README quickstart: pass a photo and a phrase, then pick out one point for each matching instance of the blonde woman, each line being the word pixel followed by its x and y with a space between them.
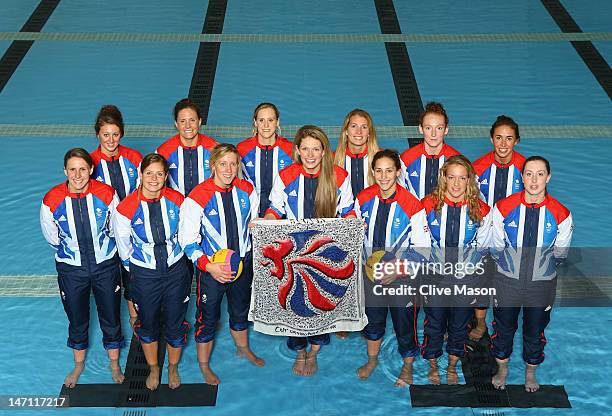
pixel 216 215
pixel 460 227
pixel 266 153
pixel 313 187
pixel 357 146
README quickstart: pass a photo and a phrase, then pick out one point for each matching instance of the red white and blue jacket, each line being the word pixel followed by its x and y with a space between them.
pixel 261 164
pixel 498 181
pixel 189 166
pixel 120 172
pixel 358 167
pixel 547 226
pixel 396 223
pixel 146 230
pixel 294 189
pixel 78 225
pixel 420 170
pixel 453 228
pixel 206 226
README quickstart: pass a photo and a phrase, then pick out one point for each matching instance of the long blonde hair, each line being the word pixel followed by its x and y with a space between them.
pixel 472 193
pixel 326 196
pixel 372 143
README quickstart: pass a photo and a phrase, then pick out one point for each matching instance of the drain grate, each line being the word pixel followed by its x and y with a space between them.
pixel 406 88
pixel 492 413
pixel 135 413
pixel 202 81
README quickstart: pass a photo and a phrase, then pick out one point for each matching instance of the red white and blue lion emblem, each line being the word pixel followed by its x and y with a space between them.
pixel 309 264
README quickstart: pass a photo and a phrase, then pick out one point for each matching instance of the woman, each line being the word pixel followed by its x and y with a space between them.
pixel 187 153
pixel 421 163
pixel 499 176
pixel 74 218
pixel 532 233
pixel 146 230
pixel 499 171
pixel 356 147
pixel 114 164
pixel 117 166
pixel 395 221
pixel 313 187
pixel 264 154
pixel 460 227
pixel 216 215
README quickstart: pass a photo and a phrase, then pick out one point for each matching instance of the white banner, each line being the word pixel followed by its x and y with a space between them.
pixel 307 277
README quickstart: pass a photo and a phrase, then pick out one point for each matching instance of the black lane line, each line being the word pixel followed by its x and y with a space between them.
pixel 587 51
pixel 205 67
pixel 406 88
pixel 19 48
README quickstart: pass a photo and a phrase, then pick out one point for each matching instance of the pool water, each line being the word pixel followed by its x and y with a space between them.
pixel 66 82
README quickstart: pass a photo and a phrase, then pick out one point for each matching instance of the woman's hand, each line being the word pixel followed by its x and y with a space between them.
pixel 221 272
pixel 389 278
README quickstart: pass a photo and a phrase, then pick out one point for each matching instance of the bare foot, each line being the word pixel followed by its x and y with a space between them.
pixel 311 366
pixel 342 334
pixel 405 377
pixel 174 379
pixel 531 383
pixel 71 379
pixel 451 374
pixel 365 370
pixel 249 355
pixel 478 331
pixel 499 379
pixel 433 374
pixel 209 376
pixel 153 378
pixel 300 363
pixel 116 373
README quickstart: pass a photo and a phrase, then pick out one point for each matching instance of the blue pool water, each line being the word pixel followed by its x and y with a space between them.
pixel 537 83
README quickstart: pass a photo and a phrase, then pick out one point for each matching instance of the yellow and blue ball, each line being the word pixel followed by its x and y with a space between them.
pixel 380 256
pixel 230 258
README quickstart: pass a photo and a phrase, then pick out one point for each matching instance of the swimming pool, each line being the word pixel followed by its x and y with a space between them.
pixel 64 82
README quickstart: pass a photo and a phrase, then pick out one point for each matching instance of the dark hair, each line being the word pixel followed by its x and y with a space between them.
pixel 535 159
pixel 109 114
pixel 388 153
pixel 186 103
pixel 504 120
pixel 434 108
pixel 80 153
pixel 153 158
